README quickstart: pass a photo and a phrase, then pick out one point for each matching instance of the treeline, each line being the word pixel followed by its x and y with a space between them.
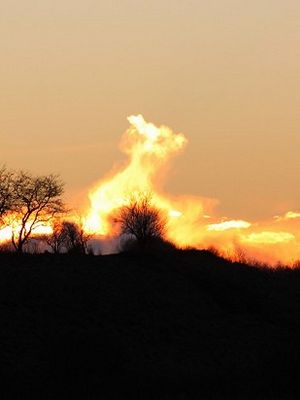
pixel 28 203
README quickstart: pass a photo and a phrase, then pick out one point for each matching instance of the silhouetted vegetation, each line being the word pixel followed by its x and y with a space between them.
pixel 74 237
pixel 6 191
pixel 162 325
pixel 36 201
pixel 153 322
pixel 141 221
pixel 151 246
pixel 31 201
pixel 56 240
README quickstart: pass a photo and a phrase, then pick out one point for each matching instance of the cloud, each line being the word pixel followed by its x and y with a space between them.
pixel 287 216
pixel 226 225
pixel 268 237
pixel 291 215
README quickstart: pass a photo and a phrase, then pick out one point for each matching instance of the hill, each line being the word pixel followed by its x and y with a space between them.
pixel 181 325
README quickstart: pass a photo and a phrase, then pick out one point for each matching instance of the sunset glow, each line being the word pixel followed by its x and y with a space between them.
pixel 150 149
pixel 224 75
pixel 191 221
pixel 150 199
pixel 14 227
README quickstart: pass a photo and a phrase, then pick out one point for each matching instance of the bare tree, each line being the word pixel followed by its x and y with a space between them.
pixel 56 240
pixel 6 191
pixel 36 201
pixel 74 237
pixel 141 220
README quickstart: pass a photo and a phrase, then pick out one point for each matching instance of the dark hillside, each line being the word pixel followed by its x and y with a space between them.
pixel 183 325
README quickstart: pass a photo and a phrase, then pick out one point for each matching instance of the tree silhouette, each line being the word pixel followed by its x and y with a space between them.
pixel 74 238
pixel 56 240
pixel 6 191
pixel 36 200
pixel 140 219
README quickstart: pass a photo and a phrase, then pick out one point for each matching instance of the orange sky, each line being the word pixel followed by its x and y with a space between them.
pixel 226 74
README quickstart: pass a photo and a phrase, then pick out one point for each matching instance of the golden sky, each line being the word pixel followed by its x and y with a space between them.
pixel 226 73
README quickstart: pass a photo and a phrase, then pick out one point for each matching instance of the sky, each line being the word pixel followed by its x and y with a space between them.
pixel 225 73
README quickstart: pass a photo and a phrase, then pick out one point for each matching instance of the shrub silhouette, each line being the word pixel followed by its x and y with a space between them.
pixel 74 239
pixel 56 241
pixel 153 245
pixel 141 221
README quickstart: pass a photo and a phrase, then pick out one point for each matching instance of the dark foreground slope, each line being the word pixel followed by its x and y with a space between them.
pixel 184 325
